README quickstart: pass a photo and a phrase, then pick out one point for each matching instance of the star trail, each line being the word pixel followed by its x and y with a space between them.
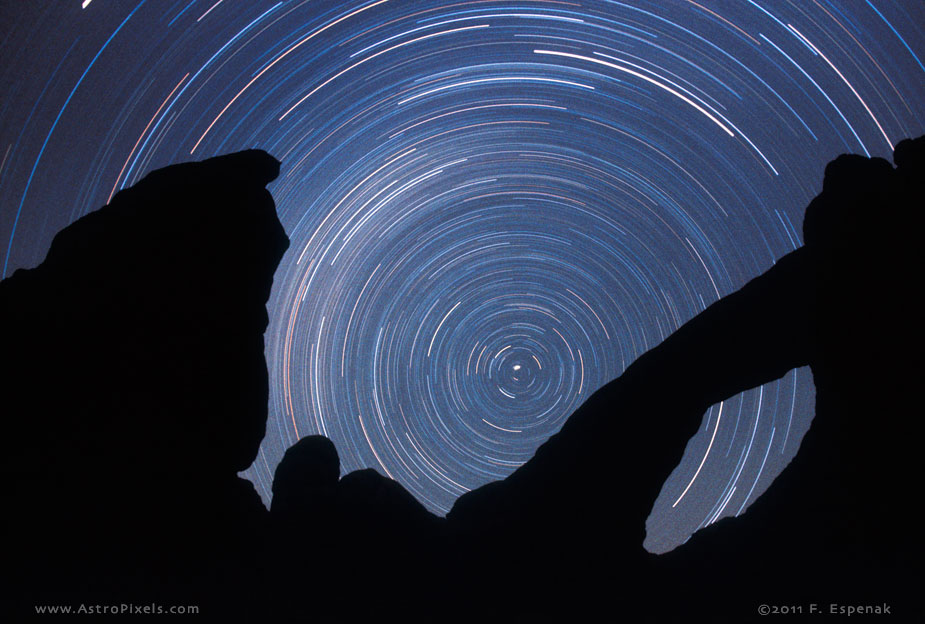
pixel 494 206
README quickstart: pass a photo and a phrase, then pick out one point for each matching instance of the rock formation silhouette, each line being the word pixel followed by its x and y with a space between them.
pixel 135 388
pixel 360 541
pixel 836 526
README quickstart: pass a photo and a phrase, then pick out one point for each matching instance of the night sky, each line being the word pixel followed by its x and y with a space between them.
pixel 494 206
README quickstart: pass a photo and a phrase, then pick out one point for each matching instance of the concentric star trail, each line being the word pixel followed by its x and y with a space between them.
pixel 495 206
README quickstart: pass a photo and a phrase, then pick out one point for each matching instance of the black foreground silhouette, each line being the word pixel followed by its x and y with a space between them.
pixel 135 388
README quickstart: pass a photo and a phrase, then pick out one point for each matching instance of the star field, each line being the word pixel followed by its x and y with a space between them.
pixel 494 206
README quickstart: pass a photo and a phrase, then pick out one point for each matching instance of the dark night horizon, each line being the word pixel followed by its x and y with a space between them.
pixel 494 208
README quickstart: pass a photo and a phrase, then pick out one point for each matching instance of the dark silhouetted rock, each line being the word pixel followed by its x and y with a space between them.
pixel 837 525
pixel 136 388
pixel 332 534
pixel 306 479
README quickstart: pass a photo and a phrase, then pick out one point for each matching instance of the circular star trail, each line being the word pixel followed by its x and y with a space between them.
pixel 494 206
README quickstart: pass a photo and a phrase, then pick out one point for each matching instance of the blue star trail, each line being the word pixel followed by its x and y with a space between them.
pixel 494 206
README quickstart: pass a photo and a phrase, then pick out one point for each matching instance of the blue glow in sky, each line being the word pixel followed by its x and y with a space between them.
pixel 494 206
